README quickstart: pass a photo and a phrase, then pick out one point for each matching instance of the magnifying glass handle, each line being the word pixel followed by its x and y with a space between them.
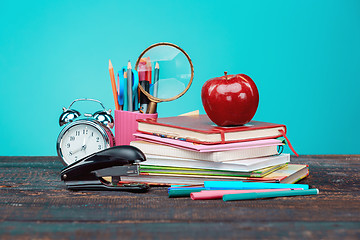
pixel 151 107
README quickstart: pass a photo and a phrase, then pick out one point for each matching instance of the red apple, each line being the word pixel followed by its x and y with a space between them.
pixel 230 100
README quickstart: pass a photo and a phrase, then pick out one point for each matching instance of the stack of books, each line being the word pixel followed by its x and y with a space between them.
pixel 191 149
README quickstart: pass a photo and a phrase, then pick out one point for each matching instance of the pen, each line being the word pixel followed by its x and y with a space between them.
pixel 129 87
pixel 144 101
pixel 148 69
pixel 249 196
pixel 113 85
pixel 144 84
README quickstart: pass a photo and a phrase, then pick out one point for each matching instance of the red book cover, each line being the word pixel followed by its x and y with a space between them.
pixel 202 124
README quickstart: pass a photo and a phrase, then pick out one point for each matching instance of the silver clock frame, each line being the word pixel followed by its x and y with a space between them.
pixel 104 131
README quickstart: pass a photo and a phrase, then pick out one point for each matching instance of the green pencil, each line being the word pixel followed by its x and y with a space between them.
pixel 250 196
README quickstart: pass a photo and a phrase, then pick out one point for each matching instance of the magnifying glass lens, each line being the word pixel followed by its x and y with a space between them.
pixel 170 72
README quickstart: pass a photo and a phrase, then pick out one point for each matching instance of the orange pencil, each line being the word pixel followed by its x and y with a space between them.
pixel 113 85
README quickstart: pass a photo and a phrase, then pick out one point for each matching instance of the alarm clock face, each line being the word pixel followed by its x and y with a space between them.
pixel 80 139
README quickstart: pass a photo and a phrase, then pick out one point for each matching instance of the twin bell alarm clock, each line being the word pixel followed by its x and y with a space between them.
pixel 84 134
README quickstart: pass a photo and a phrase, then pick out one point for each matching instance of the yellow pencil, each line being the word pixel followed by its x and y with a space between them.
pixel 113 85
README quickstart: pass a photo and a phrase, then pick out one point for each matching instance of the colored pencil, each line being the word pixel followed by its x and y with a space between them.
pixel 113 85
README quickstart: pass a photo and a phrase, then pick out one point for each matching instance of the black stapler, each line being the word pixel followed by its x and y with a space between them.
pixel 91 172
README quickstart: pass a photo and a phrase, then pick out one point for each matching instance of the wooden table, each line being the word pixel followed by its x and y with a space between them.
pixel 34 204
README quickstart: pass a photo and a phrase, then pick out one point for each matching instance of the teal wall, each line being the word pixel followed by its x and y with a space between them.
pixel 303 56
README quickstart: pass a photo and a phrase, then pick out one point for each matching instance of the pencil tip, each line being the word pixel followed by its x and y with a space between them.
pixel 157 65
pixel 110 64
pixel 129 64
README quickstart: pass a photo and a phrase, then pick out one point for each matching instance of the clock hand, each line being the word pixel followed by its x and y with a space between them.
pixel 84 142
pixel 83 147
pixel 77 150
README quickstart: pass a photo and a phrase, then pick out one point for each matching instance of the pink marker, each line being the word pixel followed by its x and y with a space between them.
pixel 218 194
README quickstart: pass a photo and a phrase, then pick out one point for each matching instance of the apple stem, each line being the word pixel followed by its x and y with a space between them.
pixel 226 75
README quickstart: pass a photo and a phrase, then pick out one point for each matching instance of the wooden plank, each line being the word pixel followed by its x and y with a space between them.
pixel 186 230
pixel 34 203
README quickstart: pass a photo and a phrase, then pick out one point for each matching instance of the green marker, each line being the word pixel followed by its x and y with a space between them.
pixel 250 196
pixel 183 192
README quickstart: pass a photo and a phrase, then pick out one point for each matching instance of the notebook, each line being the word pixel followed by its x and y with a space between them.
pixel 291 173
pixel 245 165
pixel 200 129
pixel 149 148
pixel 207 147
pixel 207 172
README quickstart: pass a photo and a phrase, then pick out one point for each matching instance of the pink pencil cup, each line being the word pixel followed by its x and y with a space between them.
pixel 126 125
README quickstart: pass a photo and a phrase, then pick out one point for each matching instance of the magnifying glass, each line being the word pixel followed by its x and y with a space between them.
pixel 165 74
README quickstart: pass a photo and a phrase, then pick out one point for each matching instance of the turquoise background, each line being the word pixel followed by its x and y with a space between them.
pixel 303 56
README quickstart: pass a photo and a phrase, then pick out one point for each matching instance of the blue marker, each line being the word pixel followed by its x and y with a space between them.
pixel 250 196
pixel 121 90
pixel 212 185
pixel 135 84
pixel 123 86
